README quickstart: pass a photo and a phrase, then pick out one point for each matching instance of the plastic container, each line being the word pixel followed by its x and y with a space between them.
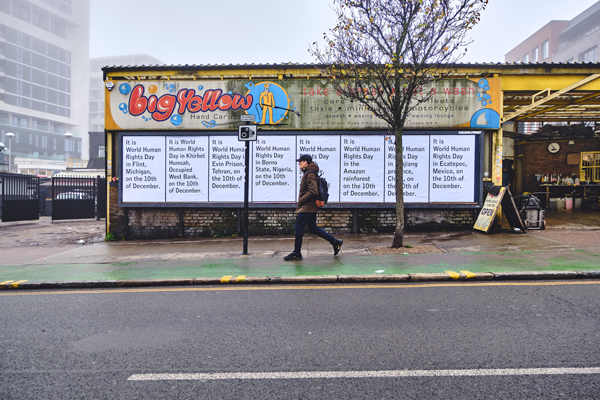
pixel 552 204
pixel 560 203
pixel 577 203
pixel 568 203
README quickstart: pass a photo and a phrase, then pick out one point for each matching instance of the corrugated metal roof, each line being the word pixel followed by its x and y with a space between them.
pixel 301 65
pixel 212 66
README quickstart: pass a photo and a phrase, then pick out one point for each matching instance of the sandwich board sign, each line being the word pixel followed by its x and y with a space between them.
pixel 499 196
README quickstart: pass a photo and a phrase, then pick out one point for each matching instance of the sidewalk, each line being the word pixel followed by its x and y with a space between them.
pixel 572 252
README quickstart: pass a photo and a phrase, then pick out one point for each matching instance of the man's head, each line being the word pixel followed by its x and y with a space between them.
pixel 304 160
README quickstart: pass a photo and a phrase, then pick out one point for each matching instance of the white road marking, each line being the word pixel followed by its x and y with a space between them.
pixel 364 374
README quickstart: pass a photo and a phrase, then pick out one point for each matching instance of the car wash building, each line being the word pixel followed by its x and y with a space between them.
pixel 176 167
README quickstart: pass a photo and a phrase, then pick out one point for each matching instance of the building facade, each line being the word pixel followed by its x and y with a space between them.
pixel 176 165
pixel 44 64
pixel 576 40
pixel 540 46
pixel 176 151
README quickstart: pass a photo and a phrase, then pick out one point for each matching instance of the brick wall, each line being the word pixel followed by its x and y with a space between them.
pixel 117 219
pixel 153 223
pixel 436 220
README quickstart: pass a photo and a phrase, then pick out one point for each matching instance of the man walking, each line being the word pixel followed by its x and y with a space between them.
pixel 307 209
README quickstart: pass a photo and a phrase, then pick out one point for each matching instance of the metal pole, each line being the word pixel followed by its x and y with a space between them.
pixel 246 183
pixel 9 154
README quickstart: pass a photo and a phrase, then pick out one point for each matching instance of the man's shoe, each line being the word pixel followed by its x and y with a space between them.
pixel 337 245
pixel 293 256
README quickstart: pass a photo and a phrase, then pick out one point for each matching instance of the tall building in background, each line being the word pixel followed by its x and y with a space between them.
pixel 96 121
pixel 44 67
pixel 576 40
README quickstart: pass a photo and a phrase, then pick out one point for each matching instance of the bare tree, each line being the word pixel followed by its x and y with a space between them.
pixel 383 52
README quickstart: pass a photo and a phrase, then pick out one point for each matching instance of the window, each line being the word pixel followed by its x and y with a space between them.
pixel 545 49
pixel 40 19
pixel 588 56
pixel 58 27
pixel 5 7
pixel 534 55
pixel 21 10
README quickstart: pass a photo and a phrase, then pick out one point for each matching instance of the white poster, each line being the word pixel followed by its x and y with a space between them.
pixel 187 169
pixel 415 155
pixel 226 169
pixel 274 176
pixel 358 168
pixel 325 151
pixel 144 169
pixel 452 169
pixel 362 169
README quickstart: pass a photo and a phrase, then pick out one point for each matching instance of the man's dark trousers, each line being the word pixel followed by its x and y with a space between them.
pixel 310 219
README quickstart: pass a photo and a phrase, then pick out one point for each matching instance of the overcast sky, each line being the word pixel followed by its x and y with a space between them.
pixel 279 31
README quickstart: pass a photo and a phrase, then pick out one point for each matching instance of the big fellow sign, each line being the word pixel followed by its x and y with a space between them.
pixel 218 105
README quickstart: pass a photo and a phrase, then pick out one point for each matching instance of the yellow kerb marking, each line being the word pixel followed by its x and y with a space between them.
pixel 16 284
pixel 240 278
pixel 4 283
pixel 226 279
pixel 453 275
pixel 469 274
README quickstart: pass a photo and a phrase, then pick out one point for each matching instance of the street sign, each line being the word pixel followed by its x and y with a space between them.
pixel 247 118
pixel 247 132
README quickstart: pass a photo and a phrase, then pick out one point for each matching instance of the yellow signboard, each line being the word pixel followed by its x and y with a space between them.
pixel 489 211
pixel 499 196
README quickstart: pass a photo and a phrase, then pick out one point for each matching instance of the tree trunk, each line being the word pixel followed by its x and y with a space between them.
pixel 399 232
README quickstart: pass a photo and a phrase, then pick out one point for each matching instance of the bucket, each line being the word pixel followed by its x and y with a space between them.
pixel 577 203
pixel 552 204
pixel 560 203
pixel 568 203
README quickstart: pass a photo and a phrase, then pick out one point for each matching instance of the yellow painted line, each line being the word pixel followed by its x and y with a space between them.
pixel 16 284
pixel 407 285
pixel 240 278
pixel 4 283
pixel 469 274
pixel 453 275
pixel 226 279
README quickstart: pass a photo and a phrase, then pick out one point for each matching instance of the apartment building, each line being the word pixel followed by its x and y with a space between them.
pixel 44 87
pixel 576 40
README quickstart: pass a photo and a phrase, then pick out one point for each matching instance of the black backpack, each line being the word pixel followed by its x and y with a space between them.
pixel 323 190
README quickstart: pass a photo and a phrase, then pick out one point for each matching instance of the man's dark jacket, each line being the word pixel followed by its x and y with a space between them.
pixel 308 190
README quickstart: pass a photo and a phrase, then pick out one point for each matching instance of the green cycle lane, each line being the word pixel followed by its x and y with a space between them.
pixel 564 260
